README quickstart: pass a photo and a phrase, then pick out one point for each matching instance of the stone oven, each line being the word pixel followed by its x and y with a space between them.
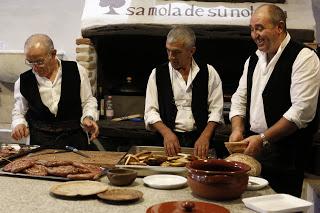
pixel 126 38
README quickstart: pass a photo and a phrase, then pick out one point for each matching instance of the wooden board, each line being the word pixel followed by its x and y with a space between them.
pixel 99 158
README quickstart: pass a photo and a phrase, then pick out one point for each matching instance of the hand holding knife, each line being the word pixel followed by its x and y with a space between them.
pixel 75 150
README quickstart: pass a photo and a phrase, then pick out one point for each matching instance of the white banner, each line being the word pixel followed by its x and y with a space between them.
pixel 99 13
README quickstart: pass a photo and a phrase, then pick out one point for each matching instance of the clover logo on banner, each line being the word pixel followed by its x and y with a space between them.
pixel 112 4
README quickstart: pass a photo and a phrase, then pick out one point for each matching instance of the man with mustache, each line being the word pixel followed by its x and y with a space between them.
pixel 274 107
pixel 184 100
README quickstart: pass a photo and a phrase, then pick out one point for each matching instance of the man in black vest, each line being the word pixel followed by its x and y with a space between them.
pixel 276 102
pixel 53 100
pixel 184 100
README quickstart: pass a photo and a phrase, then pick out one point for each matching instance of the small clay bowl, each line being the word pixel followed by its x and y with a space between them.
pixel 121 177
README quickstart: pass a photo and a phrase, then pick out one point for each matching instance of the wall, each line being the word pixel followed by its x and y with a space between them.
pixel 19 19
pixel 59 19
pixel 316 13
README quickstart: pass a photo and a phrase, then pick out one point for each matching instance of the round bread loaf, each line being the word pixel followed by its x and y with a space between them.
pixel 250 161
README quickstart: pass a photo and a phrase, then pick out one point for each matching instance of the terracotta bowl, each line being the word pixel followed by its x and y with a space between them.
pixel 121 177
pixel 217 179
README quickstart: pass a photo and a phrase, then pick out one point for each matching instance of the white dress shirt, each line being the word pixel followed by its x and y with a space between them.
pixel 304 90
pixel 50 96
pixel 182 93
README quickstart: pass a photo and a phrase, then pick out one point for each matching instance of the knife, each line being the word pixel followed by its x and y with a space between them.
pixel 75 150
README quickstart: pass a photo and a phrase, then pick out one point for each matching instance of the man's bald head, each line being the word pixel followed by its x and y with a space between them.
pixel 41 41
pixel 275 14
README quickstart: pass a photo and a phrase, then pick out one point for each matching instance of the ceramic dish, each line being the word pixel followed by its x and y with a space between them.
pixel 256 183
pixel 121 195
pixel 276 203
pixel 75 188
pixel 165 181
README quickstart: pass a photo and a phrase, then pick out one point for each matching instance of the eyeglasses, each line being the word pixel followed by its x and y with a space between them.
pixel 39 63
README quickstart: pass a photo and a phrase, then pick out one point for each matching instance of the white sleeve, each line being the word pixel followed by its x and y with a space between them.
pixel 239 98
pixel 20 107
pixel 304 89
pixel 88 101
pixel 215 96
pixel 151 110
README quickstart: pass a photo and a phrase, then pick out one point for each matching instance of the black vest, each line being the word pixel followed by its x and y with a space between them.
pixel 199 104
pixel 290 152
pixel 69 107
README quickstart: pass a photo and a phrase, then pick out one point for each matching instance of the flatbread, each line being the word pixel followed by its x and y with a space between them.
pixel 75 188
pixel 246 159
pixel 236 147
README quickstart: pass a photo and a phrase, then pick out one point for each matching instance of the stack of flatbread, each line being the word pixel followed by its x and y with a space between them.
pixel 246 159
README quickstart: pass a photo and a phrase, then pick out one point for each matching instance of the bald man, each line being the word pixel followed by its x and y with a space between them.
pixel 53 100
pixel 274 107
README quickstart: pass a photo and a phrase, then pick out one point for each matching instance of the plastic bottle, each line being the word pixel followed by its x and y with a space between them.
pixel 109 108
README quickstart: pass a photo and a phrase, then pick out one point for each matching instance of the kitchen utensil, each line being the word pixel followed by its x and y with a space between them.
pixel 186 206
pixel 75 150
pixel 217 179
pixel 121 177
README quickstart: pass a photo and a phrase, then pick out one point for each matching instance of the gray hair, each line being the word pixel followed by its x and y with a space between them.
pixel 44 40
pixel 276 14
pixel 182 34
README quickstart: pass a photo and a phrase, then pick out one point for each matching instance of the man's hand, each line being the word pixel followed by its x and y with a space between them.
pixel 20 131
pixel 201 147
pixel 255 145
pixel 91 126
pixel 171 144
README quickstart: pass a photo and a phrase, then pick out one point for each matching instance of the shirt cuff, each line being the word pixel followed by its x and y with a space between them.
pixel 216 118
pixel 19 121
pixel 292 116
pixel 151 119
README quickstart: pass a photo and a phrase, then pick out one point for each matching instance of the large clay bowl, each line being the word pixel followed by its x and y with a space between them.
pixel 217 179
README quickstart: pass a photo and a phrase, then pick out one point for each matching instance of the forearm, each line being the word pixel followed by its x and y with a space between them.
pixel 208 131
pixel 280 130
pixel 237 124
pixel 161 128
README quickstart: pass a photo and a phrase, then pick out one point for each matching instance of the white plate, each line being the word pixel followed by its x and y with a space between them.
pixel 276 203
pixel 165 181
pixel 256 183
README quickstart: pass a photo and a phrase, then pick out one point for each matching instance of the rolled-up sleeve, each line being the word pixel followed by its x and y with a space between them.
pixel 239 98
pixel 215 97
pixel 20 107
pixel 304 89
pixel 88 101
pixel 151 111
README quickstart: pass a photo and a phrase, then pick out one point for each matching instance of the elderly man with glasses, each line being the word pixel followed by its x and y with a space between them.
pixel 53 100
